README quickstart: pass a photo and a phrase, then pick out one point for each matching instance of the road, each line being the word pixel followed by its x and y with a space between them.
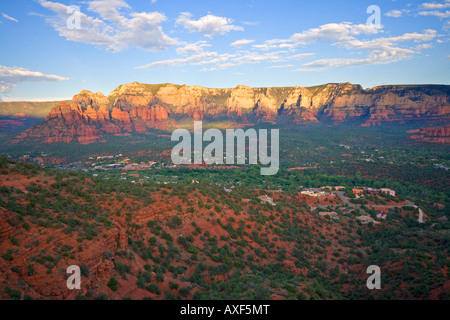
pixel 421 216
pixel 408 203
pixel 344 199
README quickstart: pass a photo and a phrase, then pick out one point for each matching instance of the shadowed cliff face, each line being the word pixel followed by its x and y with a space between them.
pixel 439 135
pixel 137 107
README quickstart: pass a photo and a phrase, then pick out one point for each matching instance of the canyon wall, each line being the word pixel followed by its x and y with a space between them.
pixel 137 107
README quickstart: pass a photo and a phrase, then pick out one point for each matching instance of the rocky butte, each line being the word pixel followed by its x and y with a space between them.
pixel 137 107
pixel 438 135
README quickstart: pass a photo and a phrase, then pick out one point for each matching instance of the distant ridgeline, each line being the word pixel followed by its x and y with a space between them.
pixel 139 107
pixel 19 116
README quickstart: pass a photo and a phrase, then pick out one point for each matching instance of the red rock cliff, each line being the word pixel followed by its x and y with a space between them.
pixel 137 107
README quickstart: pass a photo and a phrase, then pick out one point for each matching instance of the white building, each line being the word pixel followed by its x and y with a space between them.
pixel 388 191
pixel 313 193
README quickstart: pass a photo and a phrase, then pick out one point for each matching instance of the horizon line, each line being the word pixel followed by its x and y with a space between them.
pixel 58 99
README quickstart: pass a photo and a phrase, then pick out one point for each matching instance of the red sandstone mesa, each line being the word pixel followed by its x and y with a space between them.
pixel 138 107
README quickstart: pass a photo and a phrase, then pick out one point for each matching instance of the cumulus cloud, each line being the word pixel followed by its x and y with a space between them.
pixel 381 50
pixel 332 31
pixel 9 17
pixel 309 70
pixel 433 9
pixel 12 76
pixel 282 52
pixel 192 48
pixel 241 43
pixel 109 10
pixel 379 57
pixel 424 46
pixel 433 5
pixel 251 23
pixel 113 29
pixel 280 67
pixel 394 14
pixel 385 43
pixel 256 57
pixel 227 60
pixel 210 25
pixel 181 61
pixel 327 32
pixel 301 55
pixel 436 13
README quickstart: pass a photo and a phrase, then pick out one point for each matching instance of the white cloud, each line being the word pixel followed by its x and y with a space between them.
pixel 241 43
pixel 113 30
pixel 433 5
pixel 109 10
pixel 10 77
pixel 373 58
pixel 280 52
pixel 280 67
pixel 394 14
pixel 255 57
pixel 381 50
pixel 435 13
pixel 446 26
pixel 9 17
pixel 424 46
pixel 309 70
pixel 220 61
pixel 382 56
pixel 388 42
pixel 301 55
pixel 227 65
pixel 434 9
pixel 327 32
pixel 331 32
pixel 209 25
pixel 192 48
pixel 251 23
pixel 179 62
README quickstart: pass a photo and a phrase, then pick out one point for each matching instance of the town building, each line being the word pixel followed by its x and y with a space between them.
pixel 388 191
pixel 266 199
pixel 365 219
pixel 313 192
pixel 371 190
pixel 331 214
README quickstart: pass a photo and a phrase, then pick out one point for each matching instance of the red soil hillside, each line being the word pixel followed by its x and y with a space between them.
pixel 186 241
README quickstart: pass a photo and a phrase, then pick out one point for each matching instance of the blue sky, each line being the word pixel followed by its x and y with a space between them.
pixel 47 55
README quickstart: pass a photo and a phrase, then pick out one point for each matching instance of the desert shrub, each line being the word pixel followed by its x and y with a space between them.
pixel 85 270
pixel 112 284
pixel 13 294
pixel 153 288
pixel 175 222
pixel 122 268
